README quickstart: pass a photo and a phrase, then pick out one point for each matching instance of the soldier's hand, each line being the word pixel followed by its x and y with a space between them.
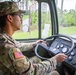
pixel 60 57
pixel 42 41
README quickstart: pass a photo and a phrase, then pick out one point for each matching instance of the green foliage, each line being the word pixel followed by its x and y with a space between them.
pixel 25 17
pixel 45 18
pixel 68 30
pixel 70 18
pixel 67 18
pixel 34 17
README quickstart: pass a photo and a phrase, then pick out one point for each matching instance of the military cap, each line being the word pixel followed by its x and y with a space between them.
pixel 8 7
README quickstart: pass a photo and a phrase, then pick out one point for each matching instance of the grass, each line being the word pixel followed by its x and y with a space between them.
pixel 25 35
pixel 34 33
pixel 68 30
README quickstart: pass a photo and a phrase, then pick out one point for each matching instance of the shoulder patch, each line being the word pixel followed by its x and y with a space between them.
pixel 18 55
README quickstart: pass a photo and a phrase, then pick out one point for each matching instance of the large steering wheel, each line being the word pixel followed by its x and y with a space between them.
pixel 55 36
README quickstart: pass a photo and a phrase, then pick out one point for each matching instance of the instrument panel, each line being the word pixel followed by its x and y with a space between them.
pixel 60 45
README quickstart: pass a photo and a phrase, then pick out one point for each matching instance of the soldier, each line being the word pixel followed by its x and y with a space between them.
pixel 12 61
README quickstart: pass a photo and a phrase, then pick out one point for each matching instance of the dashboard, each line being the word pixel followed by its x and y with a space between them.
pixel 60 45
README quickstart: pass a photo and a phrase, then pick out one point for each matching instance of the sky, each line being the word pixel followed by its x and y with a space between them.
pixel 68 4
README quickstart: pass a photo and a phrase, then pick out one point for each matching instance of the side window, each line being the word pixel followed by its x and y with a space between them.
pixel 67 17
pixel 29 27
pixel 45 20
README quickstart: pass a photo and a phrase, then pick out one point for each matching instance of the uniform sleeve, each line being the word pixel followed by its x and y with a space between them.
pixel 25 46
pixel 23 66
pixel 43 68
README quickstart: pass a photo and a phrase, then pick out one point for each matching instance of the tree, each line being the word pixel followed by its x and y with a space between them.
pixel 61 12
pixel 26 4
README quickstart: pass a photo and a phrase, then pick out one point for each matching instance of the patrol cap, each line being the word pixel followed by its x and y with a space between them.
pixel 8 7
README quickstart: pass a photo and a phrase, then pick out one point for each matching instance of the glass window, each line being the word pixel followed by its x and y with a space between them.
pixel 45 20
pixel 29 27
pixel 67 17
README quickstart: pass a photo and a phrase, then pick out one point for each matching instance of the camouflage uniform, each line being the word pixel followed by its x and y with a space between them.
pixel 12 61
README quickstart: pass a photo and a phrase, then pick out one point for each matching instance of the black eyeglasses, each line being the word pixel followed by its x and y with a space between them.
pixel 20 15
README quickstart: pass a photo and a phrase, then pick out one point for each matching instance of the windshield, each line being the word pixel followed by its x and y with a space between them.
pixel 31 27
pixel 66 10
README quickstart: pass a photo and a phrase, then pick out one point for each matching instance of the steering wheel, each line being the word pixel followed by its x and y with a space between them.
pixel 55 36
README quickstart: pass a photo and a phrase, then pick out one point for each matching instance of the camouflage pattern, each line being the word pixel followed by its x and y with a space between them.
pixel 8 7
pixel 12 63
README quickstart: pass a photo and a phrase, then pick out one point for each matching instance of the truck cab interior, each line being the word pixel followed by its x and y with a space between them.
pixel 53 21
